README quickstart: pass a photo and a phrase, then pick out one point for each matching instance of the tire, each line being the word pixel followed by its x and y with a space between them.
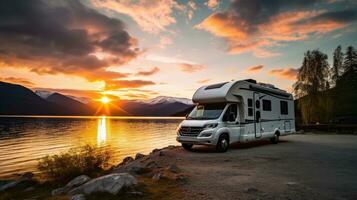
pixel 223 143
pixel 275 139
pixel 187 146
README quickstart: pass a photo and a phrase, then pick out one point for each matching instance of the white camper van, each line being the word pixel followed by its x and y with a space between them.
pixel 237 111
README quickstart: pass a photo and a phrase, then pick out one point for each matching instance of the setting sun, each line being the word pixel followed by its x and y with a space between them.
pixel 105 100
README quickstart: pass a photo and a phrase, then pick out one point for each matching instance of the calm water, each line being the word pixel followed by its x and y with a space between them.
pixel 23 140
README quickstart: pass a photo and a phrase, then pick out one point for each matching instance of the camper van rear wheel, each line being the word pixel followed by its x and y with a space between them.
pixel 275 139
pixel 187 146
pixel 223 143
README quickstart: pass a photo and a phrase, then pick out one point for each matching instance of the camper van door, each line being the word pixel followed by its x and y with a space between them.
pixel 257 115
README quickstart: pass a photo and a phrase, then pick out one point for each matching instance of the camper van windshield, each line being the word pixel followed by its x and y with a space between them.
pixel 207 111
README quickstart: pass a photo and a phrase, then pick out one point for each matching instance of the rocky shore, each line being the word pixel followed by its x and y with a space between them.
pixel 124 179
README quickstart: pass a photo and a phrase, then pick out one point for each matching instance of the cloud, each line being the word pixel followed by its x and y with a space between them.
pixel 164 41
pixel 190 9
pixel 285 73
pixel 256 25
pixel 184 65
pixel 203 81
pixel 190 68
pixel 51 37
pixel 212 3
pixel 151 16
pixel 119 84
pixel 148 73
pixel 16 80
pixel 255 69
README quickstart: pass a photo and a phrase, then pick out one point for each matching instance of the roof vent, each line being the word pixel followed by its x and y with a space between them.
pixel 215 86
pixel 251 81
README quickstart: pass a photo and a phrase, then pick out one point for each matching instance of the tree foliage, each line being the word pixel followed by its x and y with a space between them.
pixel 317 102
pixel 337 67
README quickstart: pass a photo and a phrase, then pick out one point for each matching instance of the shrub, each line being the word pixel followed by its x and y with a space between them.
pixel 87 160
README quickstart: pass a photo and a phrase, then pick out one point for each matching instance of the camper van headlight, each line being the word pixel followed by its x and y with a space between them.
pixel 210 126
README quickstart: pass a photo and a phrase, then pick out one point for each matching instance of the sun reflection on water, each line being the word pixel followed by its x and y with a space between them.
pixel 102 131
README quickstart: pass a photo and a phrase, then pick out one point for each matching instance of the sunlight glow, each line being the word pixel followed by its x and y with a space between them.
pixel 102 131
pixel 105 100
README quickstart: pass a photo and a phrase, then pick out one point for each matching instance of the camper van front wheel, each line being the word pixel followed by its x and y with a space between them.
pixel 275 139
pixel 187 146
pixel 223 143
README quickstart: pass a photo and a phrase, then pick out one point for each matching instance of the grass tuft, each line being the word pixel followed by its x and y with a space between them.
pixel 87 160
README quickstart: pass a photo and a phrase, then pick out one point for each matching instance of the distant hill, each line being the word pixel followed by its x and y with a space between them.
pixel 19 100
pixel 72 106
pixel 184 112
pixel 167 100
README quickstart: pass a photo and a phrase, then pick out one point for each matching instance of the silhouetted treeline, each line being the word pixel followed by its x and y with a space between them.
pixel 327 94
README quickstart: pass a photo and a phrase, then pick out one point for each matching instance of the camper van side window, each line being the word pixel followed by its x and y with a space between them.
pixel 250 105
pixel 266 105
pixel 231 113
pixel 284 107
pixel 250 102
pixel 250 111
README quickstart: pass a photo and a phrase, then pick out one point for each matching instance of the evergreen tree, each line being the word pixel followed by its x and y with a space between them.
pixel 350 59
pixel 337 67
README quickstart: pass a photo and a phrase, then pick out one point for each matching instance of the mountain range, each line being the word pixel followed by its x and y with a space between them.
pixel 19 100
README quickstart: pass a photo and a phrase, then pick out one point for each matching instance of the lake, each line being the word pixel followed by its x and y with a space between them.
pixel 24 140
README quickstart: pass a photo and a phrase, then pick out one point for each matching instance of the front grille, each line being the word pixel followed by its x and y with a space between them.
pixel 190 131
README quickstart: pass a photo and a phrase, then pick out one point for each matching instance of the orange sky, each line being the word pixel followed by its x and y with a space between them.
pixel 142 49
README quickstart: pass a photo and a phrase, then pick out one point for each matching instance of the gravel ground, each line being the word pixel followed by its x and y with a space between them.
pixel 308 166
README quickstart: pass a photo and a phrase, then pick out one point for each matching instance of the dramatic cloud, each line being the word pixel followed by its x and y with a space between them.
pixel 255 25
pixel 148 73
pixel 119 84
pixel 212 3
pixel 151 16
pixel 20 81
pixel 191 68
pixel 203 81
pixel 51 37
pixel 255 69
pixel 285 73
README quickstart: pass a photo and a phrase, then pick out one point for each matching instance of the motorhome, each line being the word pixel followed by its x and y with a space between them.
pixel 237 111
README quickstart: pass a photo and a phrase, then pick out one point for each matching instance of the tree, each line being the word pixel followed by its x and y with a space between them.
pixel 350 59
pixel 312 81
pixel 337 69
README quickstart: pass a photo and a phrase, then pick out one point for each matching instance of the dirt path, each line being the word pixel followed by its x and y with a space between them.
pixel 300 167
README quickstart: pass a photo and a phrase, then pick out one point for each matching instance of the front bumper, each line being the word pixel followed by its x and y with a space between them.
pixel 196 140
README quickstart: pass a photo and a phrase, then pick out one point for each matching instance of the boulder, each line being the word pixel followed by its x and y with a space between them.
pixel 155 150
pixel 111 183
pixel 139 155
pixel 78 197
pixel 127 160
pixel 80 180
pixel 135 193
pixel 24 181
pixel 173 168
pixel 157 176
